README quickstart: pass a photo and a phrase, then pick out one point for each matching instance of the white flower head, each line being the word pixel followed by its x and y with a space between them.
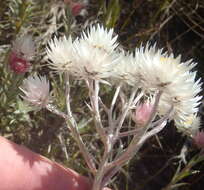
pixel 60 53
pixel 157 69
pixel 126 71
pixel 94 54
pixel 24 46
pixel 101 38
pixel 36 91
pixel 183 95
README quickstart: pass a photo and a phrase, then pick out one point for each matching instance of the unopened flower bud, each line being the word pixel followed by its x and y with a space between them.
pixel 21 53
pixel 76 8
pixel 18 64
pixel 199 139
pixel 36 90
pixel 142 113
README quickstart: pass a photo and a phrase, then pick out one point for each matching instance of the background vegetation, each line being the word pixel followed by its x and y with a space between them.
pixel 175 25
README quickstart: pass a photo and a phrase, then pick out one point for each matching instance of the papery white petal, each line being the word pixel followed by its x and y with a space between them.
pixel 36 91
pixel 60 53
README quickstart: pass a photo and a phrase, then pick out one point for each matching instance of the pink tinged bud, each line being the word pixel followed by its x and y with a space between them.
pixel 23 49
pixel 76 8
pixel 142 113
pixel 18 64
pixel 199 139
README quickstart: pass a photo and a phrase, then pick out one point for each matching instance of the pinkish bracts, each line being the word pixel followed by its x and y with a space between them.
pixel 76 8
pixel 199 139
pixel 18 64
pixel 142 113
pixel 22 51
pixel 36 91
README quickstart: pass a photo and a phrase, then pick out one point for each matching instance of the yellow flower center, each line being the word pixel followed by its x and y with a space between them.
pixel 167 59
pixel 189 121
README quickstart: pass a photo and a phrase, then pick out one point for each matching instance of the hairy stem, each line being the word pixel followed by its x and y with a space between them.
pixel 71 123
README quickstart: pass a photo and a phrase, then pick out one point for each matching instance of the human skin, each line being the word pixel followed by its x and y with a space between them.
pixel 22 169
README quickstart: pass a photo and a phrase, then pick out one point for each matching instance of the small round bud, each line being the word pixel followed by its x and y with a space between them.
pixel 21 53
pixel 199 139
pixel 142 113
pixel 18 64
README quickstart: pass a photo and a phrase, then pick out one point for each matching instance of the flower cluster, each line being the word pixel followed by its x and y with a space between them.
pixel 158 71
pixel 96 55
pixel 90 56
